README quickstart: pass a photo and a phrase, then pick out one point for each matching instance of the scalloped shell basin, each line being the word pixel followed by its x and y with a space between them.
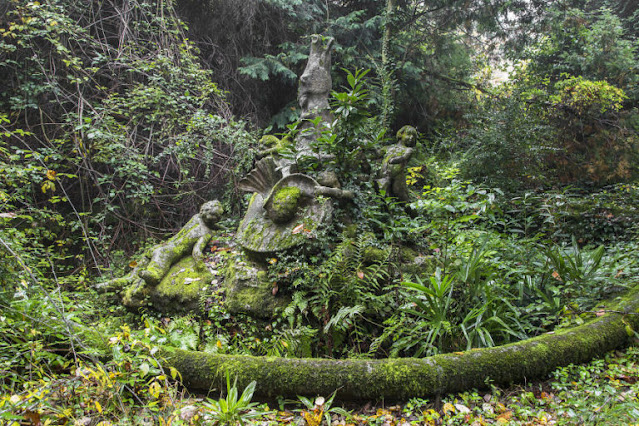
pixel 258 233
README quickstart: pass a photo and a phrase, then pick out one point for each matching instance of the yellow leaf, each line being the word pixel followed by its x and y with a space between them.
pixel 98 407
pixel 51 174
pixel 48 185
pixel 448 408
pixel 133 264
pixel 174 372
pixel 154 390
pixel 314 418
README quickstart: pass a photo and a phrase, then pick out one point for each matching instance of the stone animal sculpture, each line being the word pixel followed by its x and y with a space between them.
pixel 393 177
pixel 316 83
pixel 313 92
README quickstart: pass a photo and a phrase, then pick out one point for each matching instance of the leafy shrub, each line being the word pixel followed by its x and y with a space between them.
pixel 99 127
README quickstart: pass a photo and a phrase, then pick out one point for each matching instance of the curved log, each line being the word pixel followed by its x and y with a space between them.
pixel 403 378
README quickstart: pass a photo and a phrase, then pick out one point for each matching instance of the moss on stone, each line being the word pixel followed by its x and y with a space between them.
pixel 269 141
pixel 374 255
pixel 407 254
pixel 407 135
pixel 412 377
pixel 285 203
pixel 249 291
pixel 181 288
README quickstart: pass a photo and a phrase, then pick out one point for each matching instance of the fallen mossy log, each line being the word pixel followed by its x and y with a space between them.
pixel 403 378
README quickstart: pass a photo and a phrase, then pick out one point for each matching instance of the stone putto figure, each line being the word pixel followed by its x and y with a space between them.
pixel 393 178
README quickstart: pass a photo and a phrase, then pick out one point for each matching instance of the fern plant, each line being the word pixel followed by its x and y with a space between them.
pixel 344 296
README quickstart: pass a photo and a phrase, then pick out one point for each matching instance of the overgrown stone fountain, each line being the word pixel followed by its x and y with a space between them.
pixel 285 209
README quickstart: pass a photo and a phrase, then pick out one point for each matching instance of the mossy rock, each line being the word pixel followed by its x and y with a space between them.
pixel 181 288
pixel 259 233
pixel 269 141
pixel 373 255
pixel 248 290
pixel 285 203
pixel 418 266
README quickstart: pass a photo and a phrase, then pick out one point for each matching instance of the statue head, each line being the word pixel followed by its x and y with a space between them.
pixel 211 212
pixel 407 136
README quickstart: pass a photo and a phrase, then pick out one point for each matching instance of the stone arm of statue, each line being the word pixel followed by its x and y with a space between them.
pixel 340 194
pixel 402 158
pixel 198 250
pixel 266 152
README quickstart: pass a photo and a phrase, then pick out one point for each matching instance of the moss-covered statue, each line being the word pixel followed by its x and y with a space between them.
pixel 154 276
pixel 393 177
pixel 191 240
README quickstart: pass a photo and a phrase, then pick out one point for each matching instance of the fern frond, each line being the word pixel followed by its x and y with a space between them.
pixel 343 319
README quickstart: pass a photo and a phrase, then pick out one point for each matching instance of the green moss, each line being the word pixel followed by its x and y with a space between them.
pixel 181 288
pixel 374 255
pixel 249 291
pixel 407 134
pixel 285 203
pixel 135 295
pixel 269 141
pixel 407 254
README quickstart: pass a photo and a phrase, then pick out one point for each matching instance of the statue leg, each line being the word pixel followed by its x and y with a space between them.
pixel 163 257
pixel 400 190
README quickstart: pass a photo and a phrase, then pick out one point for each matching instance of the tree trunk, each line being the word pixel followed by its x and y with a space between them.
pixel 404 378
pixel 387 70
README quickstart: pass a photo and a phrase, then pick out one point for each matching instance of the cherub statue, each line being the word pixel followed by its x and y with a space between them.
pixel 191 239
pixel 154 265
pixel 393 179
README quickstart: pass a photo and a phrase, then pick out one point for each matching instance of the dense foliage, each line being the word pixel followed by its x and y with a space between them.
pixel 106 115
pixel 115 126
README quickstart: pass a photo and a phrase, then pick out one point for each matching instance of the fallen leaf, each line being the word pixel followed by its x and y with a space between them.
pixel 34 417
pixel 299 228
pixel 133 264
pixel 504 418
pixel 462 408
pixel 448 408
